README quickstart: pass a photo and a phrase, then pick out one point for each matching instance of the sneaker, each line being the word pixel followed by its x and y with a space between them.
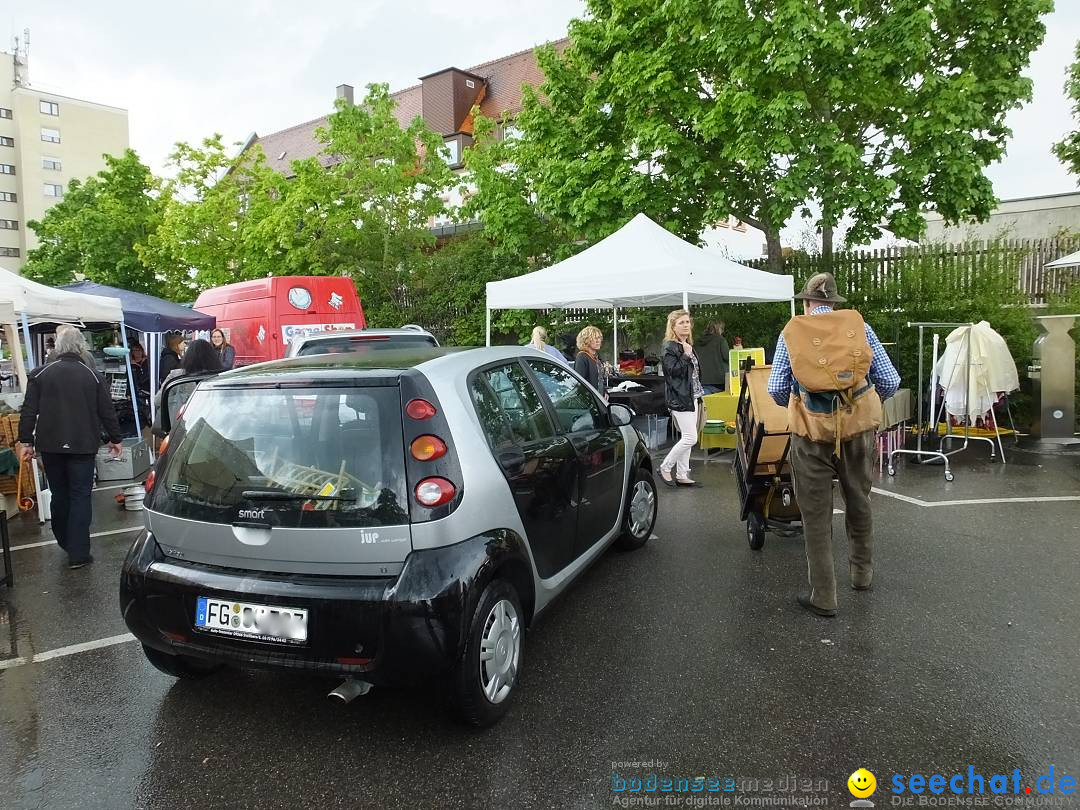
pixel 80 563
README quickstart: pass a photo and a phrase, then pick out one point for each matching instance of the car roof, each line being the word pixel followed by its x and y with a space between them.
pixel 386 366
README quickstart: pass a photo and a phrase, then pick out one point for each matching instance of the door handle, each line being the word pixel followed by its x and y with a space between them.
pixel 512 460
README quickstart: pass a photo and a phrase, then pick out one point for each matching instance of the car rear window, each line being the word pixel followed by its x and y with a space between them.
pixel 300 457
pixel 364 344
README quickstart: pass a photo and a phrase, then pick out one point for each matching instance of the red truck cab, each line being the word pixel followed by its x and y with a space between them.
pixel 260 317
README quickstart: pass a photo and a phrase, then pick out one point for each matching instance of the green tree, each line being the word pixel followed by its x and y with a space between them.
pixel 693 110
pixel 97 229
pixel 1068 149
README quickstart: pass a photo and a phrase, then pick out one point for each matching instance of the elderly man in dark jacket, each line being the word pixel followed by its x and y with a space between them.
pixel 67 405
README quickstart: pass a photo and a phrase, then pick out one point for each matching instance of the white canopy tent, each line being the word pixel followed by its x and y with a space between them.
pixel 640 265
pixel 1072 260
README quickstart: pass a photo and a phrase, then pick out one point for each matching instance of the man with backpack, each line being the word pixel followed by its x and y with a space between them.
pixel 832 373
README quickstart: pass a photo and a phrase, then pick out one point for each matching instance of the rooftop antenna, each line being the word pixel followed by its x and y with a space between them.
pixel 22 59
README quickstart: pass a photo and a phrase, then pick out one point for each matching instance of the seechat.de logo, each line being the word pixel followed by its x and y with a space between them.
pixel 862 784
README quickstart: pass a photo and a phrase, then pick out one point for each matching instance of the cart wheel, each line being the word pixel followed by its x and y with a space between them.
pixel 755 531
pixel 892 470
pixel 948 475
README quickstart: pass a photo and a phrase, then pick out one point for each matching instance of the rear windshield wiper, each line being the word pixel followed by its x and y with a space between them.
pixel 280 495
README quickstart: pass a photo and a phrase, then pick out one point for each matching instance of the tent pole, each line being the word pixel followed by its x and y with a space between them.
pixel 615 337
pixel 18 364
pixel 131 381
pixel 686 301
pixel 151 358
pixel 487 326
pixel 29 349
pixel 792 307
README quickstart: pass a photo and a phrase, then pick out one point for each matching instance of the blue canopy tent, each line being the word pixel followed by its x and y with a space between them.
pixel 151 316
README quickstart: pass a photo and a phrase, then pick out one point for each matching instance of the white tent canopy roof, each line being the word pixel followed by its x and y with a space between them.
pixel 1072 260
pixel 39 303
pixel 640 265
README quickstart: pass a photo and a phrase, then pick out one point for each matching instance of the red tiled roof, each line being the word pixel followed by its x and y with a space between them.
pixel 504 78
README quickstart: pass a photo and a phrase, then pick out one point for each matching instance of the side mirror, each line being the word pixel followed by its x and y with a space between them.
pixel 621 416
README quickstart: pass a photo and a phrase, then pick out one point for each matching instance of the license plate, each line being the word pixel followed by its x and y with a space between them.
pixel 250 621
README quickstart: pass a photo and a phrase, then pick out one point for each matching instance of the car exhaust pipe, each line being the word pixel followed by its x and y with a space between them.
pixel 350 689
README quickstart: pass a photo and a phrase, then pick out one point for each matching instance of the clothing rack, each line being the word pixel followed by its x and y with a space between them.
pixel 935 414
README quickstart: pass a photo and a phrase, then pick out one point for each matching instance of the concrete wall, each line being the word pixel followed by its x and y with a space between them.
pixel 1026 218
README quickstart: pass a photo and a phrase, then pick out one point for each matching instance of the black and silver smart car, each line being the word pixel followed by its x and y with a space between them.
pixel 381 517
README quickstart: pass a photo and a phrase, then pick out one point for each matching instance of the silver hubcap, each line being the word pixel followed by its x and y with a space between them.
pixel 642 506
pixel 500 651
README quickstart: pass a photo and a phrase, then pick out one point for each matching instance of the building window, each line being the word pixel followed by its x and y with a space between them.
pixel 7 168
pixel 6 141
pixel 54 190
pixel 51 163
pixel 50 135
pixel 452 152
pixel 10 252
pixel 9 225
pixel 5 112
pixel 8 196
pixel 48 107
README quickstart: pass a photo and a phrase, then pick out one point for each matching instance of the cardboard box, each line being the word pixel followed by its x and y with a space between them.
pixel 133 462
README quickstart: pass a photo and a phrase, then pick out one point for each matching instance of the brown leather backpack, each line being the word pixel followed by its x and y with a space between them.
pixel 832 400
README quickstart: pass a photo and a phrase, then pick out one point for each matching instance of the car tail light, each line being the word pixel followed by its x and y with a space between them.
pixel 149 485
pixel 427 448
pixel 433 492
pixel 354 662
pixel 420 409
pixel 163 446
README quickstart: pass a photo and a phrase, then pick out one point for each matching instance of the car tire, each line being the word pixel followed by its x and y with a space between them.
pixel 179 666
pixel 484 679
pixel 641 509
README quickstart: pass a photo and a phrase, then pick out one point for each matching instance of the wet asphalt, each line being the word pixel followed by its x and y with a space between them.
pixel 687 658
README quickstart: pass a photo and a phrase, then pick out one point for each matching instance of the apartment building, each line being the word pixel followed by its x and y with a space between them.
pixel 444 99
pixel 46 141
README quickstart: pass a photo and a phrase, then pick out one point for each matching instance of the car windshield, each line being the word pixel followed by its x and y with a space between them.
pixel 364 344
pixel 292 457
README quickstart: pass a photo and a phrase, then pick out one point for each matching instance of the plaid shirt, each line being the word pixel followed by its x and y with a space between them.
pixel 882 373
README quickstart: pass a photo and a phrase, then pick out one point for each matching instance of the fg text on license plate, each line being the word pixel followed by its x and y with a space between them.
pixel 250 621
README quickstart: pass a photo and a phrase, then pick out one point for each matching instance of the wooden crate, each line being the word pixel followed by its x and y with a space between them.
pixel 9 429
pixel 9 483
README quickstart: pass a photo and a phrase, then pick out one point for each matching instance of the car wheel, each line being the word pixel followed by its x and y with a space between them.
pixel 485 676
pixel 179 666
pixel 641 507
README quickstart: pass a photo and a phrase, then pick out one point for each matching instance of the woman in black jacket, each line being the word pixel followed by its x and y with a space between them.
pixel 587 363
pixel 683 393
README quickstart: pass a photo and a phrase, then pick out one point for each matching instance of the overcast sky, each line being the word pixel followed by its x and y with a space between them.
pixel 233 66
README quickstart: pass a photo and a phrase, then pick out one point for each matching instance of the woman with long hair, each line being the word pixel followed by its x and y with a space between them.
pixel 587 363
pixel 540 343
pixel 226 353
pixel 683 394
pixel 170 356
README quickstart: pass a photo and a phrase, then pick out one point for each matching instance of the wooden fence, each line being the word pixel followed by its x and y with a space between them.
pixel 958 264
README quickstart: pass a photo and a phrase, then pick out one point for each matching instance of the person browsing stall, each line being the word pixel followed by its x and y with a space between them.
pixel 831 372
pixel 682 394
pixel 587 363
pixel 712 352
pixel 540 343
pixel 226 353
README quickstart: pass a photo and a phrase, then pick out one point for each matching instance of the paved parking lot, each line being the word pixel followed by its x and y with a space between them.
pixel 688 658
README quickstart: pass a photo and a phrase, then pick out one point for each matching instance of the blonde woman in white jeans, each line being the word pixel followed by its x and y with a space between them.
pixel 683 393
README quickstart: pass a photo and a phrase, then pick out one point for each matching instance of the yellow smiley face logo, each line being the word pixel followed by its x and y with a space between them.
pixel 861 783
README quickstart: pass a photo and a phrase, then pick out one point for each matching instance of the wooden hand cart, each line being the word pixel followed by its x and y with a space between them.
pixel 762 468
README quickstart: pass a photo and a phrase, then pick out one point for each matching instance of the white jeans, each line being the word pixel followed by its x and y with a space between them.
pixel 679 455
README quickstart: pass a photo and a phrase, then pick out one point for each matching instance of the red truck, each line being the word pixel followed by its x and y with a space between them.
pixel 260 317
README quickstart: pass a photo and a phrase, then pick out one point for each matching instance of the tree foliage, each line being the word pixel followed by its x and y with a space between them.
pixel 1068 148
pixel 693 110
pixel 96 230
